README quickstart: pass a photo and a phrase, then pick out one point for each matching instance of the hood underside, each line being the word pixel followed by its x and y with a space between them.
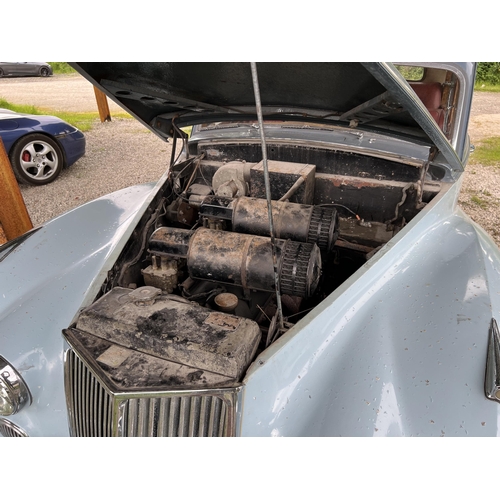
pixel 363 95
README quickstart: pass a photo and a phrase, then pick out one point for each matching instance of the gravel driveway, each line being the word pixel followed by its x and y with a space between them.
pixel 123 152
pixel 59 92
pixel 480 194
pixel 119 153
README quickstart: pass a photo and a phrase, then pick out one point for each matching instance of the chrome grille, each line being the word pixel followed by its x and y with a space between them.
pixel 194 416
pixel 90 406
pixel 8 429
pixel 94 411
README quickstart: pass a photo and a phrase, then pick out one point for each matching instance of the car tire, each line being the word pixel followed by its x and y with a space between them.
pixel 36 159
pixel 1 72
pixel 44 71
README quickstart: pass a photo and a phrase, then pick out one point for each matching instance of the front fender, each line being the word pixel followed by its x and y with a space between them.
pixel 44 282
pixel 398 350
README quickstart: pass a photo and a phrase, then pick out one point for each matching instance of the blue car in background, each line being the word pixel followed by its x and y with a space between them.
pixel 39 146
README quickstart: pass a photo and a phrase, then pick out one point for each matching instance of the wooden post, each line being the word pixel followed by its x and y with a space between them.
pixel 14 216
pixel 102 105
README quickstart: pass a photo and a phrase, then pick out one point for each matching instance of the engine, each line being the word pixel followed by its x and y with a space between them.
pixel 202 287
pixel 206 303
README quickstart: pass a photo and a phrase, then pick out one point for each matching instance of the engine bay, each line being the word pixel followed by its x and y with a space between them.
pixel 203 286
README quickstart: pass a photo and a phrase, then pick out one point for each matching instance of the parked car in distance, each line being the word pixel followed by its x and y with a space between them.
pixel 367 305
pixel 39 146
pixel 25 69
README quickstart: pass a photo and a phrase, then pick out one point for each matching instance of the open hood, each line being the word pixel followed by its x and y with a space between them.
pixel 360 95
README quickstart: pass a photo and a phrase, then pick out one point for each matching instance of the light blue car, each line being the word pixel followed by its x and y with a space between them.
pixel 366 305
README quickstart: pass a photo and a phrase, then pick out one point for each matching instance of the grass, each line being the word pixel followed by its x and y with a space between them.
pixel 486 87
pixel 487 152
pixel 19 108
pixel 83 121
pixel 480 202
pixel 61 68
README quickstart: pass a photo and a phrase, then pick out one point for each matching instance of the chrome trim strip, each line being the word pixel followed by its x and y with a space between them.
pixel 492 378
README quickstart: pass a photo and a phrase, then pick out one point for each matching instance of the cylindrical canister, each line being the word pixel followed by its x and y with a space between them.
pixel 242 259
pixel 306 223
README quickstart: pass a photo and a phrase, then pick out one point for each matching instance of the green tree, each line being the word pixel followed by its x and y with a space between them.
pixel 488 72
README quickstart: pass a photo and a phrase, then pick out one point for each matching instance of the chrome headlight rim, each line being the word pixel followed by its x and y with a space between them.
pixel 13 390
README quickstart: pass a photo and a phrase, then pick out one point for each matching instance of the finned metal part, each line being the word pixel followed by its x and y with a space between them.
pixel 300 272
pixel 241 259
pixel 492 378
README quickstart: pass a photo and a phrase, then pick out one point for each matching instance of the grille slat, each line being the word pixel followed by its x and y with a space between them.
pixel 184 415
pixel 91 408
pixel 85 405
pixel 79 410
pixel 143 416
pixel 173 420
pixel 211 422
pixel 203 432
pixel 152 428
pixel 74 373
pixel 141 408
pixel 9 429
pixel 131 417
pixel 107 417
pixel 70 379
pixel 194 416
pixel 222 419
pixel 163 417
pixel 99 414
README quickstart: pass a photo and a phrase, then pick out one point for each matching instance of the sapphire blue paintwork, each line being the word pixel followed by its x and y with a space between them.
pixel 14 126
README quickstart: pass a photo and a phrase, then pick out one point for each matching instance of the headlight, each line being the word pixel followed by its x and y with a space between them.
pixel 14 393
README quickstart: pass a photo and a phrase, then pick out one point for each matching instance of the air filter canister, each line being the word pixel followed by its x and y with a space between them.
pixel 242 259
pixel 306 223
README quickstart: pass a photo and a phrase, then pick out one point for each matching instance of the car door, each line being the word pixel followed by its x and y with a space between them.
pixel 9 68
pixel 26 68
